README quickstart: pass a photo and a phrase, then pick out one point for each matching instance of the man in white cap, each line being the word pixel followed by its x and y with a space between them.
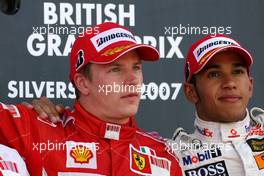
pixel 99 137
pixel 226 141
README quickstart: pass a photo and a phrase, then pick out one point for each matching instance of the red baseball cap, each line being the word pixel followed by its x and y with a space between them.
pixel 206 48
pixel 109 42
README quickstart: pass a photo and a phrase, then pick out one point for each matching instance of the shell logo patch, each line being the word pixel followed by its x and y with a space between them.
pixel 81 154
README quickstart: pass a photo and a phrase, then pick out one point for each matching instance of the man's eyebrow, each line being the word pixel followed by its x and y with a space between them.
pixel 137 63
pixel 216 66
pixel 240 64
pixel 114 64
pixel 117 64
pixel 210 67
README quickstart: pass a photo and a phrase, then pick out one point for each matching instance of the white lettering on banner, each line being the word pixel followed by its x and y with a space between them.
pixel 34 89
pixel 40 47
pixel 64 21
pixel 59 89
pixel 168 47
pixel 75 14
pixel 161 44
pixel 152 91
pixel 53 45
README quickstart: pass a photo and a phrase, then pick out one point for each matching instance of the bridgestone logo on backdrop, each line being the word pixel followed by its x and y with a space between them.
pixel 211 44
pixel 108 37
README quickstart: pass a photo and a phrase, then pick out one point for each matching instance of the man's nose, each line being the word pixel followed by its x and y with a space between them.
pixel 131 78
pixel 229 82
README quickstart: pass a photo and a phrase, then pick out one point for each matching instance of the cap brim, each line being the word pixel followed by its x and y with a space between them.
pixel 145 52
pixel 244 53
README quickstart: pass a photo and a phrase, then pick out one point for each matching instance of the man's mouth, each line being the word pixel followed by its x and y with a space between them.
pixel 131 95
pixel 230 98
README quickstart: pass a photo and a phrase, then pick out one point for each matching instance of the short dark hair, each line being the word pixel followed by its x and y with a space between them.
pixel 193 80
pixel 86 71
pixel 187 74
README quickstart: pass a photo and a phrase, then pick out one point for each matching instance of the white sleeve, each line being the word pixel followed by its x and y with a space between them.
pixel 180 142
pixel 257 114
pixel 11 163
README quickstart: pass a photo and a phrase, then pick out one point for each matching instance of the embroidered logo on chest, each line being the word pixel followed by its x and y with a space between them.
pixel 146 162
pixel 81 155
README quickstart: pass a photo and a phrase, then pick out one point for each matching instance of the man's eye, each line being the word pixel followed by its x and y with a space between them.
pixel 115 69
pixel 137 67
pixel 239 71
pixel 213 74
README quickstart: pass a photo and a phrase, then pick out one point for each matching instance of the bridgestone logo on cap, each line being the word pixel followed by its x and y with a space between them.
pixel 111 36
pixel 211 44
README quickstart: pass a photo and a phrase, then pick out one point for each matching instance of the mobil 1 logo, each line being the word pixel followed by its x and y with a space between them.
pixel 212 169
pixel 202 156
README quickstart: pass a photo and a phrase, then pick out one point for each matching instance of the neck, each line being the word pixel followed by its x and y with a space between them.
pixel 221 118
pixel 216 131
pixel 99 113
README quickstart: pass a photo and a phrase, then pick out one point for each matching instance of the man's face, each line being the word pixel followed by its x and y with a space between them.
pixel 114 90
pixel 223 89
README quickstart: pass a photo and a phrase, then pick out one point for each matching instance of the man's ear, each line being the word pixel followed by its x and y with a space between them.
pixel 82 83
pixel 251 85
pixel 190 93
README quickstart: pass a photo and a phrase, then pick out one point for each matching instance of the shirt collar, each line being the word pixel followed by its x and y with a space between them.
pixel 213 131
pixel 92 124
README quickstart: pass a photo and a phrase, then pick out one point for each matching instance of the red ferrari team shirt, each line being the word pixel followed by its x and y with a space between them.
pixel 83 145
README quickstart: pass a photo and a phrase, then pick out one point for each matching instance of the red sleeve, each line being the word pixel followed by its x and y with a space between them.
pixel 15 127
pixel 20 129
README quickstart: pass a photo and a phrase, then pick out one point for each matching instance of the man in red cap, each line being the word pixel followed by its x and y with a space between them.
pixel 100 136
pixel 226 140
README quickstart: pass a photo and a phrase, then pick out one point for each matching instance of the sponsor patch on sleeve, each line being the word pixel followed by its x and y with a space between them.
pixel 13 110
pixel 256 145
pixel 8 166
pixel 260 160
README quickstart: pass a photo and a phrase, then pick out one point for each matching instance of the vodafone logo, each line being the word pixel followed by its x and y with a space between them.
pixel 234 133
